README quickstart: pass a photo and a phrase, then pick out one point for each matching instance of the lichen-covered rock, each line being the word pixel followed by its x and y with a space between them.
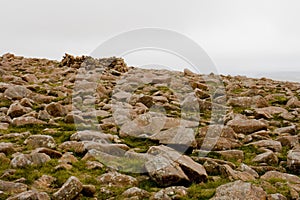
pixel 136 193
pixel 170 193
pixel 32 195
pixel 117 179
pixel 70 189
pixel 36 141
pixel 239 190
pixel 23 160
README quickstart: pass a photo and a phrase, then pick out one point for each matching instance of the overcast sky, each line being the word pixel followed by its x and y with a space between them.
pixel 241 36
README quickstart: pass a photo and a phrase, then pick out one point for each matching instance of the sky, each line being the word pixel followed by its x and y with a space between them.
pixel 248 37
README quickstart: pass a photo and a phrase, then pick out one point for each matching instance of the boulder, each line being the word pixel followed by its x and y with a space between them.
pixel 279 175
pixel 293 160
pixel 17 110
pixel 11 187
pixel 136 193
pixel 23 160
pixel 16 92
pixel 247 126
pixel 268 144
pixel 70 189
pixel 268 157
pixel 271 111
pixel 117 179
pixel 7 148
pixel 56 109
pixel 32 195
pixel 239 190
pixel 36 141
pixel 21 121
pixel 248 102
pixel 170 193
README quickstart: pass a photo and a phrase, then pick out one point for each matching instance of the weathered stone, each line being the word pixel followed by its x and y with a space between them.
pixel 269 144
pixel 239 190
pixel 32 195
pixel 293 103
pixel 293 160
pixel 56 109
pixel 50 152
pixel 4 126
pixel 170 193
pixel 288 129
pixel 246 126
pixel 17 110
pixel 117 179
pixel 11 187
pixel 21 121
pixel 7 148
pixel 289 141
pixel 276 196
pixel 16 92
pixel 136 193
pixel 44 183
pixel 96 136
pixel 71 188
pixel 248 102
pixel 37 141
pixel 279 175
pixel 270 112
pixel 23 160
pixel 76 147
pixel 268 157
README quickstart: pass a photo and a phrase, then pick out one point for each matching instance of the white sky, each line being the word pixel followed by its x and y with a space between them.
pixel 241 36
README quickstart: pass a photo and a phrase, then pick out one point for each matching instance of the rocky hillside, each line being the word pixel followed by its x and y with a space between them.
pixel 86 128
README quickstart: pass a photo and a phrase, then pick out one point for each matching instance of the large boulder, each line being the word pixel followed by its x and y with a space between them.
pixel 23 160
pixel 248 102
pixel 247 126
pixel 239 190
pixel 170 167
pixel 271 111
pixel 117 179
pixel 16 92
pixel 36 141
pixel 71 188
pixel 279 175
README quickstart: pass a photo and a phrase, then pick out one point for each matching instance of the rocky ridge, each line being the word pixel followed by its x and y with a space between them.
pixel 86 128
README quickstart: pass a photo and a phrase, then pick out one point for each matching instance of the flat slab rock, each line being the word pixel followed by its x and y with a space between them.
pixel 239 190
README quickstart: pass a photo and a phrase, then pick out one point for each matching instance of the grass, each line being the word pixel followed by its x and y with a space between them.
pixel 204 190
pixel 249 153
pixel 5 103
pixel 142 143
